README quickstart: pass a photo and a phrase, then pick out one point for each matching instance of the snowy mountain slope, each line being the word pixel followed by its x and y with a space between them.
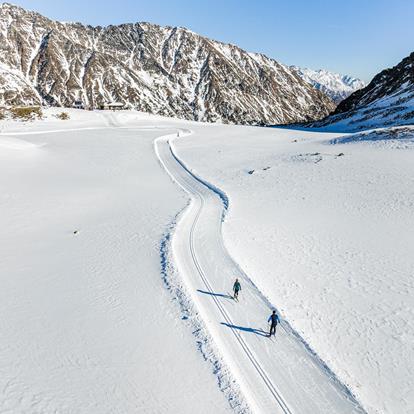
pixel 336 86
pixel 388 100
pixel 162 70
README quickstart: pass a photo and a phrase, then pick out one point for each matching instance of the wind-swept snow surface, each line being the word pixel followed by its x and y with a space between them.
pixel 86 324
pixel 277 376
pixel 115 283
pixel 326 231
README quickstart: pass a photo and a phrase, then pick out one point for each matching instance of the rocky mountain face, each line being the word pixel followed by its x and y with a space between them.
pixel 336 86
pixel 162 70
pixel 388 100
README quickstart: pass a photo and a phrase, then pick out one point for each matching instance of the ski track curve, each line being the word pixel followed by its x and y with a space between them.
pixel 281 375
pixel 275 376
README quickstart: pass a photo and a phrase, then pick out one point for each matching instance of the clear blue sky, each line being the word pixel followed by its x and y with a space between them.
pixel 356 37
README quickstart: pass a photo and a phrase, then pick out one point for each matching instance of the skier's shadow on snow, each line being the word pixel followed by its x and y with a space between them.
pixel 259 332
pixel 220 295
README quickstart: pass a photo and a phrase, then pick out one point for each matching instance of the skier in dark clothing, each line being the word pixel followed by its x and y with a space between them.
pixel 274 320
pixel 236 288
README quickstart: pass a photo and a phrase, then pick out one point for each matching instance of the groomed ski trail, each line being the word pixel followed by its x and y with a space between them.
pixel 280 375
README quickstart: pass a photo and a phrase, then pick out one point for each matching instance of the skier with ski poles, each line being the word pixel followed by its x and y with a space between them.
pixel 274 320
pixel 236 289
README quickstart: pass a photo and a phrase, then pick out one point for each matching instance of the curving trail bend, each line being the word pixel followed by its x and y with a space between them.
pixel 280 375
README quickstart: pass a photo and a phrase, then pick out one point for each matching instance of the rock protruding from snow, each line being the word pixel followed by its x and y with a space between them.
pixel 163 70
pixel 336 86
pixel 393 137
pixel 388 100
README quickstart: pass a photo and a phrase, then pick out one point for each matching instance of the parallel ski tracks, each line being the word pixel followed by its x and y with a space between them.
pixel 328 394
pixel 271 387
pixel 257 366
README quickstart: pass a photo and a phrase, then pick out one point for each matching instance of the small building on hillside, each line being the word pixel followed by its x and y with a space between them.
pixel 114 106
pixel 78 104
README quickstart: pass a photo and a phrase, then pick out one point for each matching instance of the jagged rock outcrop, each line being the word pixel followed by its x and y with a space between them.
pixel 388 100
pixel 163 70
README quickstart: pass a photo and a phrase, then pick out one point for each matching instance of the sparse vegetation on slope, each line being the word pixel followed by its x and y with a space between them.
pixel 26 113
pixel 63 116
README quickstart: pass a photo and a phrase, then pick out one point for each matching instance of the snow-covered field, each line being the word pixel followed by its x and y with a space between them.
pixel 329 239
pixel 112 318
pixel 86 323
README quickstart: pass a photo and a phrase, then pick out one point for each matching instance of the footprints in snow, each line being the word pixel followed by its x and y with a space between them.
pixel 262 169
pixel 314 158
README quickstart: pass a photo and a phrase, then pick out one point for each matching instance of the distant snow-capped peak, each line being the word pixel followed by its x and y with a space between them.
pixel 336 86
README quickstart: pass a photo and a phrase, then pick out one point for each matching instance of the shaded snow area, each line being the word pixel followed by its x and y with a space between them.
pixel 396 137
pixel 122 234
pixel 394 109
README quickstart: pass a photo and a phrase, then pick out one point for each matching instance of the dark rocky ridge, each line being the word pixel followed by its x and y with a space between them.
pixel 162 70
pixel 385 83
pixel 388 100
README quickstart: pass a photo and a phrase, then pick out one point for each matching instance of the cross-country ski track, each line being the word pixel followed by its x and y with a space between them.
pixel 275 375
pixel 278 375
